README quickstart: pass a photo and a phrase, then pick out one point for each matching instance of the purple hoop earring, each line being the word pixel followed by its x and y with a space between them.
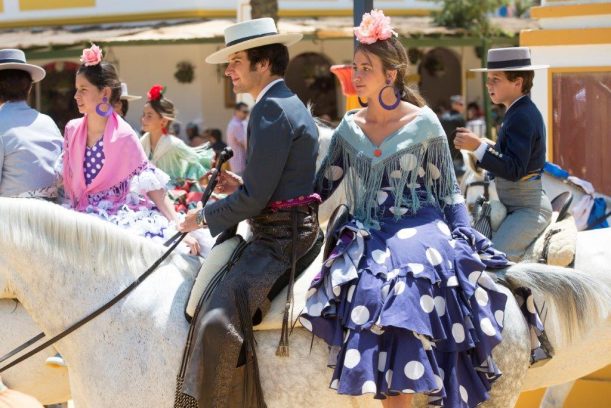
pixel 102 113
pixel 397 94
pixel 363 104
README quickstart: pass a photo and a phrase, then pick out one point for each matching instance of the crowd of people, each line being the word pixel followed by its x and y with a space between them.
pixel 399 299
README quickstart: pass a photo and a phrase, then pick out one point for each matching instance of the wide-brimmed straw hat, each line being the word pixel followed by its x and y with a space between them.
pixel 509 59
pixel 15 59
pixel 125 96
pixel 251 34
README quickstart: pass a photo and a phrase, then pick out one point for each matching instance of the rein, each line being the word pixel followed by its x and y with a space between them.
pixel 225 155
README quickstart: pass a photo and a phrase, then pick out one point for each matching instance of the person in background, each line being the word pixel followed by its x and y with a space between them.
pixel 215 138
pixel 452 120
pixel 475 119
pixel 236 137
pixel 122 105
pixel 30 142
pixel 185 165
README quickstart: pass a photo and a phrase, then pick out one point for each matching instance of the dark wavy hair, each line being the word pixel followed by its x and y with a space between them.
pixel 103 75
pixel 276 54
pixel 394 57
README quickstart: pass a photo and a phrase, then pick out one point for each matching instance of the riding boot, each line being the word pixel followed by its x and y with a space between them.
pixel 243 393
pixel 542 354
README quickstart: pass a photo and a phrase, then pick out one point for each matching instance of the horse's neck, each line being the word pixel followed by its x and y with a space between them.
pixel 59 286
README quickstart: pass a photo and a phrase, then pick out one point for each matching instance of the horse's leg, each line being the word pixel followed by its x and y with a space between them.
pixel 512 357
pixel 555 396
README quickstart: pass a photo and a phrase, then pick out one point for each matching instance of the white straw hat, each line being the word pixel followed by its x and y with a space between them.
pixel 15 59
pixel 125 96
pixel 251 34
pixel 509 59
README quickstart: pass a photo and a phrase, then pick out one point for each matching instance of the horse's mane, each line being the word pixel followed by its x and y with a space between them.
pixel 71 238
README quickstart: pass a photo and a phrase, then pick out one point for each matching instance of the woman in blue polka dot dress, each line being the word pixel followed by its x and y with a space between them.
pixel 402 300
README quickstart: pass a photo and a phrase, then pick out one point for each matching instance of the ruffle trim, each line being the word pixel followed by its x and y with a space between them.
pixel 457 318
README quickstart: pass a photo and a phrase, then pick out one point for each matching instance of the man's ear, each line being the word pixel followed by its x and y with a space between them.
pixel 264 65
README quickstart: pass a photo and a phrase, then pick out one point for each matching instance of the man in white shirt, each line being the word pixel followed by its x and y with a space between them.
pixel 236 138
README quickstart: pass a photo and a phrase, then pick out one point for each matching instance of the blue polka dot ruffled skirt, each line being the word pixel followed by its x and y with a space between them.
pixel 408 309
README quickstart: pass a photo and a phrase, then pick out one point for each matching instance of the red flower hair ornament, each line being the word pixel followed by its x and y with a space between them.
pixel 155 93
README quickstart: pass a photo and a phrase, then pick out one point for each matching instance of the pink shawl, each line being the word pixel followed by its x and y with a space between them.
pixel 123 155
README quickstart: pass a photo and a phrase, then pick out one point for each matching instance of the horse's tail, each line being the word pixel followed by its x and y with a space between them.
pixel 580 301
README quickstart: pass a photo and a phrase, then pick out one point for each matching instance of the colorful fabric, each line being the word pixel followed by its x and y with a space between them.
pixel 295 202
pixel 178 160
pixel 403 299
pixel 119 198
pixel 123 156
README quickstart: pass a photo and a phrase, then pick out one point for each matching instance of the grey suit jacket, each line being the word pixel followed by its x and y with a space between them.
pixel 30 144
pixel 280 159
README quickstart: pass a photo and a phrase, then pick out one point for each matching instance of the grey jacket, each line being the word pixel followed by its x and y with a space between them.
pixel 30 144
pixel 280 159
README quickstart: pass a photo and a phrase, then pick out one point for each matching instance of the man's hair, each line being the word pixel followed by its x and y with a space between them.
pixel 215 133
pixel 527 79
pixel 15 85
pixel 276 54
pixel 240 106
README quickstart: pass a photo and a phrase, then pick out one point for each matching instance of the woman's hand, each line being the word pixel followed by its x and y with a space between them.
pixel 192 244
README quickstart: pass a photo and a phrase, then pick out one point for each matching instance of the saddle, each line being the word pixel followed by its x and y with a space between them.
pixel 557 244
pixel 269 317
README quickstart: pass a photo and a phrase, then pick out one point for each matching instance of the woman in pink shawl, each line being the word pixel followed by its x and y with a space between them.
pixel 105 170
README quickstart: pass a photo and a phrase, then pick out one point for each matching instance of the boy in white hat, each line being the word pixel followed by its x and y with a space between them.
pixel 517 159
pixel 276 195
pixel 30 142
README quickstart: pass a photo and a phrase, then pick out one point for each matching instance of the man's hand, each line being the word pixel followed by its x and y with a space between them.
pixel 466 140
pixel 228 182
pixel 190 222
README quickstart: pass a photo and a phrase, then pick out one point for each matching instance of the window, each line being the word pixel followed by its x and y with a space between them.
pixel 580 123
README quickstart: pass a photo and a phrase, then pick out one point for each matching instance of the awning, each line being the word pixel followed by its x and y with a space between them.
pixel 197 31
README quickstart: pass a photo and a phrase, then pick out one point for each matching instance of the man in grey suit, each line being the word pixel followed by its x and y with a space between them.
pixel 30 142
pixel 276 196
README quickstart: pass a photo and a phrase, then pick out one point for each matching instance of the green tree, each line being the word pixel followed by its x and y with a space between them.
pixel 264 8
pixel 471 15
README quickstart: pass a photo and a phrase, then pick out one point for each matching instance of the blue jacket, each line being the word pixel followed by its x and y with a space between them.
pixel 520 147
pixel 282 145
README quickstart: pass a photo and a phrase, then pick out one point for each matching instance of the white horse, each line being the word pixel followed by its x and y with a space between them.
pixel 62 265
pixel 591 252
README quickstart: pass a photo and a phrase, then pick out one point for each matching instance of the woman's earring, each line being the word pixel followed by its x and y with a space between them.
pixel 99 109
pixel 397 95
pixel 363 104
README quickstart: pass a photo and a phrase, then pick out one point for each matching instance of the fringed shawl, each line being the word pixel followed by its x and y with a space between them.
pixel 123 156
pixel 418 149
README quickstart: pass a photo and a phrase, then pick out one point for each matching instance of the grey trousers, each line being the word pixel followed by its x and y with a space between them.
pixel 529 212
pixel 220 329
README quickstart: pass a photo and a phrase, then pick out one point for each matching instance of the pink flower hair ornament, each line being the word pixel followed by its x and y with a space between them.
pixel 91 56
pixel 375 26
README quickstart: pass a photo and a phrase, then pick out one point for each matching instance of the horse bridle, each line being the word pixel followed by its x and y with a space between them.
pixel 224 155
pixel 485 183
